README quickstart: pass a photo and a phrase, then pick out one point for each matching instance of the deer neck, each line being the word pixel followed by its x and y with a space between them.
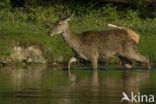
pixel 70 38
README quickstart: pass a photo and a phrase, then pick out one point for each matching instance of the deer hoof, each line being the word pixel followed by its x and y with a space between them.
pixel 128 66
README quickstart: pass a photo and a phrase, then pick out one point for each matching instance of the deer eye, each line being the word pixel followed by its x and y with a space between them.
pixel 59 24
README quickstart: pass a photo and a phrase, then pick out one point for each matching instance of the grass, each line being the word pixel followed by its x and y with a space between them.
pixel 29 26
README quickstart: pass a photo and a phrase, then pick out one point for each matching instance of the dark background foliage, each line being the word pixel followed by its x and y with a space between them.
pixel 146 9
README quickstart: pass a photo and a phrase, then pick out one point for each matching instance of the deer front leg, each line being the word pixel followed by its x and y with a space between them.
pixel 73 59
pixel 94 63
pixel 94 60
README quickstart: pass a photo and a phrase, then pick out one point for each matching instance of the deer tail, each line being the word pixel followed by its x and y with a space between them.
pixel 111 25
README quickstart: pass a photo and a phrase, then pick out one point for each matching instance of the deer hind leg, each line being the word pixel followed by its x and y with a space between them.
pixel 139 58
pixel 73 59
pixel 126 62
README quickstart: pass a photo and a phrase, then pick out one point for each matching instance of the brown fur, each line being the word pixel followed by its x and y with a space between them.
pixel 106 44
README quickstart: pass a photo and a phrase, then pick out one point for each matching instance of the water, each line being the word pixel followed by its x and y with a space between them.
pixel 39 85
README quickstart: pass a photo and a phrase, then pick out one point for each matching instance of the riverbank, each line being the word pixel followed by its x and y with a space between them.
pixel 24 39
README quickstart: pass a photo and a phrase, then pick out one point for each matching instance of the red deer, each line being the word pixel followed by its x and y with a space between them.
pixel 98 45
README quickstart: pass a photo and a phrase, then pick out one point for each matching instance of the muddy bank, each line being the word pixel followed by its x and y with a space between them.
pixel 32 54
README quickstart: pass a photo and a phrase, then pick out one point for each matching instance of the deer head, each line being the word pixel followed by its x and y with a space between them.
pixel 60 25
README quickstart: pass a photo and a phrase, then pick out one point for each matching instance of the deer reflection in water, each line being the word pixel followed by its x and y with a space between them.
pixel 55 86
pixel 107 88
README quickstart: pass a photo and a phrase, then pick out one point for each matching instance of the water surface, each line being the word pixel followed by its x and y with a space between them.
pixel 39 85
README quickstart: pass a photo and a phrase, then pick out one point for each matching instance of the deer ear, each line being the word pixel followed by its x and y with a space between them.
pixel 69 17
pixel 60 16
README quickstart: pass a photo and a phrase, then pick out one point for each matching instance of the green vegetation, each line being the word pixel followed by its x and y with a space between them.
pixel 29 25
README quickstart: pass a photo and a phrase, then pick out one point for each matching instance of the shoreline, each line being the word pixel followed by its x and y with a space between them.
pixel 64 63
